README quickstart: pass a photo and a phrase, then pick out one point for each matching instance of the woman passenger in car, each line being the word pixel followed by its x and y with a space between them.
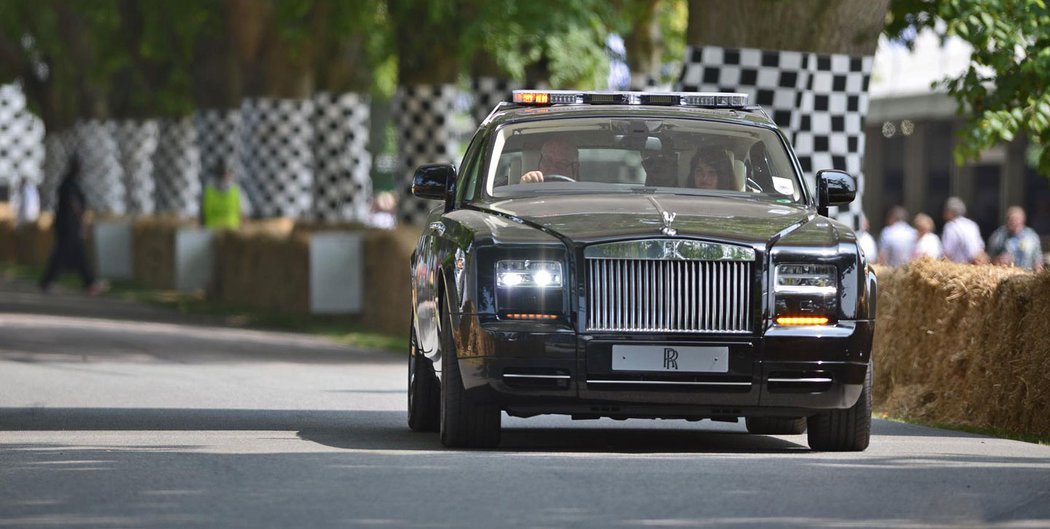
pixel 710 170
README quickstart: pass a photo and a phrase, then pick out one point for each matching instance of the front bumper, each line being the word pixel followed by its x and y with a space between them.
pixel 539 368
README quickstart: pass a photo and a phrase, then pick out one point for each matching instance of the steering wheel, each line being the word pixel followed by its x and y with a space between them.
pixel 561 177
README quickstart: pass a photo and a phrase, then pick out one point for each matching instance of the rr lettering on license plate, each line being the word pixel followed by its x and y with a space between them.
pixel 671 358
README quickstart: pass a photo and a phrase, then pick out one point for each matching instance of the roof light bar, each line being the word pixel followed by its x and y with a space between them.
pixel 683 99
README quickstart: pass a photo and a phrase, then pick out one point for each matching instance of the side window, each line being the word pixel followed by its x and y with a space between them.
pixel 468 177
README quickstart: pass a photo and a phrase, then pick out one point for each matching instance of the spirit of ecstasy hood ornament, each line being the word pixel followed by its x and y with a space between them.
pixel 668 219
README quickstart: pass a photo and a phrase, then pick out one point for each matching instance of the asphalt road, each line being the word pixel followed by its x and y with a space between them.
pixel 115 415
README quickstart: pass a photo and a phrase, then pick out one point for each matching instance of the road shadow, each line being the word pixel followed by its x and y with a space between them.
pixel 386 430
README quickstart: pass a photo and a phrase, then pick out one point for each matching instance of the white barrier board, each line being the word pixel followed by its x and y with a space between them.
pixel 113 248
pixel 336 273
pixel 194 259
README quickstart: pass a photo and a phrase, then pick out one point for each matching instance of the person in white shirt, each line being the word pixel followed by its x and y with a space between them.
pixel 27 203
pixel 961 237
pixel 865 240
pixel 897 239
pixel 927 244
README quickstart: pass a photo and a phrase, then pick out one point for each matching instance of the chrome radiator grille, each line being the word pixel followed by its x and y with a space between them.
pixel 668 295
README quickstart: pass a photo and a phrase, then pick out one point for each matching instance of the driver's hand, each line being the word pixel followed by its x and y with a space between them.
pixel 532 177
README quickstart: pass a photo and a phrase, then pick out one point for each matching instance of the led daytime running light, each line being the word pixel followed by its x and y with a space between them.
pixel 802 320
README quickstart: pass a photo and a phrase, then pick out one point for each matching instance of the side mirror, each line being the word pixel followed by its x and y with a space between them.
pixel 835 188
pixel 433 181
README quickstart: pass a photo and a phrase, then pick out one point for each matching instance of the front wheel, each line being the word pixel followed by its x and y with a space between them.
pixel 424 398
pixel 464 423
pixel 846 430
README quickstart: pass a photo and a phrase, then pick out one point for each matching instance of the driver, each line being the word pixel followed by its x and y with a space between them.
pixel 558 156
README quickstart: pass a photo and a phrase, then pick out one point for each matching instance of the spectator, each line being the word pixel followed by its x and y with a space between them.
pixel 1016 244
pixel 710 169
pixel 927 244
pixel 28 203
pixel 961 236
pixel 865 240
pixel 68 250
pixel 223 207
pixel 897 240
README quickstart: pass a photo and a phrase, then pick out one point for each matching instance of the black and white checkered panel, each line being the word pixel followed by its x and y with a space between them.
pixel 772 79
pixel 136 144
pixel 276 150
pixel 489 92
pixel 101 175
pixel 819 100
pixel 423 115
pixel 831 131
pixel 342 163
pixel 176 169
pixel 58 147
pixel 21 139
pixel 217 139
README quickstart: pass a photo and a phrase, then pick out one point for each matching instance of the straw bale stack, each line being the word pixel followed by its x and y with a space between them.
pixel 264 267
pixel 153 250
pixel 34 241
pixel 8 244
pixel 388 292
pixel 964 344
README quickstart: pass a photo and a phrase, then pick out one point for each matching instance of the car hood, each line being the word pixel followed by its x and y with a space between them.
pixel 594 218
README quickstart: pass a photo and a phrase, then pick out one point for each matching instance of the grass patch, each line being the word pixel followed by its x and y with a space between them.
pixel 344 329
pixel 979 430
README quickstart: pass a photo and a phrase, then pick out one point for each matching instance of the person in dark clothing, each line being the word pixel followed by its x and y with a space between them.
pixel 69 251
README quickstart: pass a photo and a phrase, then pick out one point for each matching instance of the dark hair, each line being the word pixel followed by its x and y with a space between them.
pixel 72 168
pixel 718 161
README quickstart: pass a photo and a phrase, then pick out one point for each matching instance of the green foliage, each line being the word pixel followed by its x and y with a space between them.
pixel 1005 89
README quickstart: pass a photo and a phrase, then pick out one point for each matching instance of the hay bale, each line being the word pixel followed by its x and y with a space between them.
pixel 388 287
pixel 153 250
pixel 964 345
pixel 8 241
pixel 34 241
pixel 264 267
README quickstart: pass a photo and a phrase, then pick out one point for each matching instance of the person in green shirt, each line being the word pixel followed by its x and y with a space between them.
pixel 223 206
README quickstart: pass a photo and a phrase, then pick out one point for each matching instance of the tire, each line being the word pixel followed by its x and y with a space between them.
pixel 464 423
pixel 424 391
pixel 776 425
pixel 846 430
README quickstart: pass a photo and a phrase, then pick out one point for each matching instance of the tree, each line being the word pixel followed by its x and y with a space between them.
pixel 851 27
pixel 1006 89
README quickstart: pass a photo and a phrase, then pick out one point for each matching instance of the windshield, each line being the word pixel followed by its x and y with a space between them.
pixel 629 155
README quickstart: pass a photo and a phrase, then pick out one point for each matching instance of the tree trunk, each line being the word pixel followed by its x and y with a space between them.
pixel 644 45
pixel 851 27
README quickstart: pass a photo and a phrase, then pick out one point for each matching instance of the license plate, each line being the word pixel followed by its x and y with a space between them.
pixel 670 358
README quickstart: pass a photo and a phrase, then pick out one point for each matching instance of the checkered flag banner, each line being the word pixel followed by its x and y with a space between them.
pixel 101 175
pixel 217 135
pixel 489 92
pixel 136 144
pixel 820 101
pixel 176 168
pixel 21 139
pixel 276 149
pixel 423 116
pixel 342 163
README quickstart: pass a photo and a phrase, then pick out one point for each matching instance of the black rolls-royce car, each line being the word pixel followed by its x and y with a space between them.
pixel 638 255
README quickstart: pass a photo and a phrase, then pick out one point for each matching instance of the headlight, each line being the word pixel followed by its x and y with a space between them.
pixel 806 279
pixel 525 273
pixel 806 294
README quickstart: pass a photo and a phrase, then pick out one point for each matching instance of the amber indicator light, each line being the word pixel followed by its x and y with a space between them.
pixel 802 320
pixel 531 316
